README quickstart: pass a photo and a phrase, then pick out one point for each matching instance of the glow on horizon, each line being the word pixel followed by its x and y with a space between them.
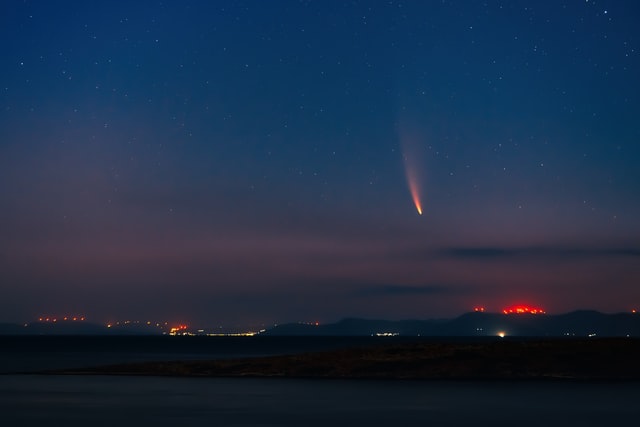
pixel 523 309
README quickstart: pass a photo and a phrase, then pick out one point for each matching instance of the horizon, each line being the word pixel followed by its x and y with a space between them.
pixel 251 162
pixel 186 324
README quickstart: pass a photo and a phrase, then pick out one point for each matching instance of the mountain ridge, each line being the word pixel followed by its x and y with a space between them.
pixel 579 323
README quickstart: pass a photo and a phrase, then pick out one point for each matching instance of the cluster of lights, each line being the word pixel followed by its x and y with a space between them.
pixel 523 309
pixel 478 309
pixel 137 322
pixel 178 330
pixel 61 319
pixel 387 334
pixel 234 334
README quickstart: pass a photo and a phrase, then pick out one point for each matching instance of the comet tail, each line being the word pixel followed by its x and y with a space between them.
pixel 413 189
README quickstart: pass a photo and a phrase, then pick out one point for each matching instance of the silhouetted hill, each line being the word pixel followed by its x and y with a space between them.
pixel 600 359
pixel 65 328
pixel 577 323
pixel 76 328
pixel 11 329
pixel 582 323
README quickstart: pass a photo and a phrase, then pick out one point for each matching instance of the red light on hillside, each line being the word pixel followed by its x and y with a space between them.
pixel 478 309
pixel 178 329
pixel 523 309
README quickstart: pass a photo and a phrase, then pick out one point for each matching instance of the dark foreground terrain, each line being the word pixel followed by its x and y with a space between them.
pixel 588 359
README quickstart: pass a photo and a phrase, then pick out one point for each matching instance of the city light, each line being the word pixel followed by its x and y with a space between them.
pixel 523 309
pixel 178 330
pixel 387 334
pixel 56 319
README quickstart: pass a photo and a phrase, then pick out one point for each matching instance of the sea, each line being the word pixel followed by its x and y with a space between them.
pixel 32 394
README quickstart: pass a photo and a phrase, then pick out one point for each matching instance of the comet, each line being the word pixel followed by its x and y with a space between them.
pixel 414 189
pixel 411 145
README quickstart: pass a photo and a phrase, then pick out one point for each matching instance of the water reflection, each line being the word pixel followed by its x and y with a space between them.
pixel 130 401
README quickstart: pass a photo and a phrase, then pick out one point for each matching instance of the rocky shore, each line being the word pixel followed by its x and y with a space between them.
pixel 592 359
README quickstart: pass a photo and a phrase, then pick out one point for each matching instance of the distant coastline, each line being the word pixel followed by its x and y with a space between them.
pixel 583 360
pixel 582 323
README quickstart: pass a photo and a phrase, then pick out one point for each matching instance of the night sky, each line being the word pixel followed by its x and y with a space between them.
pixel 249 162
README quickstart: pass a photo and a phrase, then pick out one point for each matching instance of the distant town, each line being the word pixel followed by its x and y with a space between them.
pixel 79 323
pixel 516 320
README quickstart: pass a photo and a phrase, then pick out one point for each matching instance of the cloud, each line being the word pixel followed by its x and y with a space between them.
pixel 404 290
pixel 479 252
pixel 623 252
pixel 548 252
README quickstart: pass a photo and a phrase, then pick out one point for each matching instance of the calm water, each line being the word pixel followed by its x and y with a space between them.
pixel 51 400
pixel 32 400
pixel 19 354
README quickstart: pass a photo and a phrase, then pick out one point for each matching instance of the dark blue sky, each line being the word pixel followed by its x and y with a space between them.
pixel 244 162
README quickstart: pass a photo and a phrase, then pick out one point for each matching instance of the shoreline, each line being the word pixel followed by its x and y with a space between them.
pixel 543 360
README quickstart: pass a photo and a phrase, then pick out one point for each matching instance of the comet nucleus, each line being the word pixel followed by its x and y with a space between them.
pixel 414 189
pixel 412 167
